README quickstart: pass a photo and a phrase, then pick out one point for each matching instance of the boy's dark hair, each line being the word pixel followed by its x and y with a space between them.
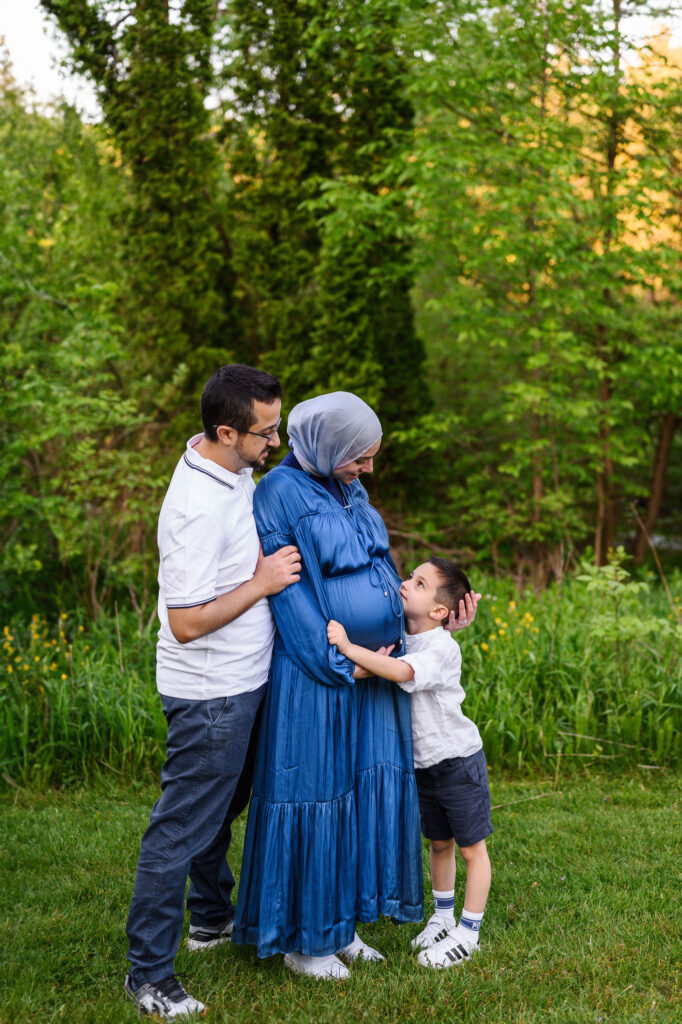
pixel 229 395
pixel 453 585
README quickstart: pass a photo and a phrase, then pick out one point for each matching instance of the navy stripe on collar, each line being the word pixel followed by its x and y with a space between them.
pixel 200 469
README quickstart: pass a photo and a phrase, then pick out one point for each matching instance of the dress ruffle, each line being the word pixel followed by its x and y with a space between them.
pixel 299 892
pixel 390 845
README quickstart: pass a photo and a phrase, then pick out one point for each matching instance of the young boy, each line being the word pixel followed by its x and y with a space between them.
pixel 450 767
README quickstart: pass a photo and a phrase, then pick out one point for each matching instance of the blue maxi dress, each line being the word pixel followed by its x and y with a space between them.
pixel 333 832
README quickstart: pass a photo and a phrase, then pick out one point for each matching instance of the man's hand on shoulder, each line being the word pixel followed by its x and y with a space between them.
pixel 272 575
pixel 276 572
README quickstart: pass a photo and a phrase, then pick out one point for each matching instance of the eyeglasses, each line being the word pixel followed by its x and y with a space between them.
pixel 266 437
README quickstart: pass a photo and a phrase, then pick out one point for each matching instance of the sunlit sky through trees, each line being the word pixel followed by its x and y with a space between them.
pixel 36 51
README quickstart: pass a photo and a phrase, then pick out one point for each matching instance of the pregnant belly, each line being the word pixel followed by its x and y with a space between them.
pixel 369 607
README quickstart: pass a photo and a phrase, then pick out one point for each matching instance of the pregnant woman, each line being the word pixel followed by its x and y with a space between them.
pixel 333 831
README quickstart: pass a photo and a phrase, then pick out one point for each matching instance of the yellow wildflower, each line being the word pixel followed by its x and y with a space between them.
pixel 64 676
pixel 498 621
pixel 484 646
pixel 10 669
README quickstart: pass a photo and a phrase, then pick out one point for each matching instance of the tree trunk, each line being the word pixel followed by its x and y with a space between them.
pixel 665 440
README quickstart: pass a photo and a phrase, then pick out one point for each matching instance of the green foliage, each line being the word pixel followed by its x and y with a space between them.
pixel 314 132
pixel 529 150
pixel 77 702
pixel 620 616
pixel 152 69
pixel 561 677
pixel 550 271
pixel 74 502
pixel 568 674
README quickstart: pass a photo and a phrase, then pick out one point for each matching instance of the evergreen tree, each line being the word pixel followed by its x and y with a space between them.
pixel 320 119
pixel 152 68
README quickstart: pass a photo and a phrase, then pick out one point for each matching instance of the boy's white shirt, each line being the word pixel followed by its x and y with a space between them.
pixel 440 730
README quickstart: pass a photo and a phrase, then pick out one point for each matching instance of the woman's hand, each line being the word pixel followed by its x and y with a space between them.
pixel 337 635
pixel 466 612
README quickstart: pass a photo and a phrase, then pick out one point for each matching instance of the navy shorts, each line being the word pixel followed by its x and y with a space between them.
pixel 454 799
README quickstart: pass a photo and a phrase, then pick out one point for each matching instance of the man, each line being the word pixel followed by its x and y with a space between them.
pixel 213 657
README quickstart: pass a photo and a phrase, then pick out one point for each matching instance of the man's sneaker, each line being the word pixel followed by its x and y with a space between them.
pixel 449 952
pixel 166 999
pixel 206 938
pixel 436 928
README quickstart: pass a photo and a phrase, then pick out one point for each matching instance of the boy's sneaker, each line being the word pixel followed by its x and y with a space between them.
pixel 436 929
pixel 206 938
pixel 166 999
pixel 448 952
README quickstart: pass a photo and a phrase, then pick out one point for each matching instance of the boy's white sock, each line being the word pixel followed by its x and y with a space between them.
pixel 469 925
pixel 444 903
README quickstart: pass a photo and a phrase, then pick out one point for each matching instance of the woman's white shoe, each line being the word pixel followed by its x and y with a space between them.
pixel 317 966
pixel 359 950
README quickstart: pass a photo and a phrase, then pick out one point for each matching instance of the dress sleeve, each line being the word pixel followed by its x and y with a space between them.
pixel 431 670
pixel 300 611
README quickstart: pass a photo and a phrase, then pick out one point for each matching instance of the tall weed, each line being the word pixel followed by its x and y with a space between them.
pixel 588 670
pixel 74 700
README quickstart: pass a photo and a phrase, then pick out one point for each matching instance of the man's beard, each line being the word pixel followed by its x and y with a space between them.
pixel 256 463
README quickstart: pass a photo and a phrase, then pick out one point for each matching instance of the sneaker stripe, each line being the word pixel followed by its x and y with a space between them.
pixel 200 936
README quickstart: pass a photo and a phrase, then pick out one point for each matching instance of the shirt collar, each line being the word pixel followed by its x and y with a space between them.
pixel 224 476
pixel 415 641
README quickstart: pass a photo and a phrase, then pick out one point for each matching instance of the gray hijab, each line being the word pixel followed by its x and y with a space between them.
pixel 330 430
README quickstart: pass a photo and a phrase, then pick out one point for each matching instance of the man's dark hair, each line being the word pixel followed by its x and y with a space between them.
pixel 453 584
pixel 229 396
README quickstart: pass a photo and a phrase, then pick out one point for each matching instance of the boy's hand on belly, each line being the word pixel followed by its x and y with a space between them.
pixel 337 635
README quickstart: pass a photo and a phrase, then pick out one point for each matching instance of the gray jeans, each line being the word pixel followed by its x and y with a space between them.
pixel 205 784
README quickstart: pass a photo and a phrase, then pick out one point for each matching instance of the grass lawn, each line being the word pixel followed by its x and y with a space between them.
pixel 583 923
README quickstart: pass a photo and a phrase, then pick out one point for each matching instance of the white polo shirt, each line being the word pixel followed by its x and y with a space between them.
pixel 208 545
pixel 440 730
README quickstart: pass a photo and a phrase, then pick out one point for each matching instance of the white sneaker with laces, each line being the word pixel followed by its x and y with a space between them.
pixel 436 929
pixel 317 966
pixel 449 952
pixel 359 950
pixel 166 999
